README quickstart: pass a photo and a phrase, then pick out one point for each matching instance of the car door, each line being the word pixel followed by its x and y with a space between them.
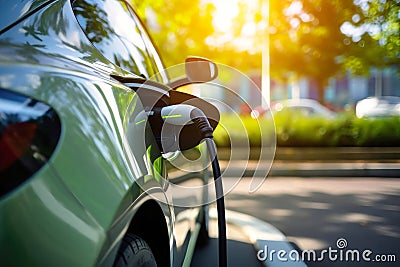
pixel 116 31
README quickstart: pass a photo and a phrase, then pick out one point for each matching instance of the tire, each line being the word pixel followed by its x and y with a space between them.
pixel 134 252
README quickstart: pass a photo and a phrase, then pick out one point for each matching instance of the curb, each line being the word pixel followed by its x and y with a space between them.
pixel 264 237
pixel 312 169
pixel 320 153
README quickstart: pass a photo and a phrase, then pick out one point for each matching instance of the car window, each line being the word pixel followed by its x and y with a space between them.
pixel 116 32
pixel 307 111
pixel 304 111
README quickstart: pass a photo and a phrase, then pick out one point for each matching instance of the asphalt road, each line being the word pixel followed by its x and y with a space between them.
pixel 316 212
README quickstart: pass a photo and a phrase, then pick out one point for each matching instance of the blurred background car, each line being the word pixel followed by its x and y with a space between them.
pixel 383 106
pixel 303 106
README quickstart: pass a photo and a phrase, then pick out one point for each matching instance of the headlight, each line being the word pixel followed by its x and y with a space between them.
pixel 29 133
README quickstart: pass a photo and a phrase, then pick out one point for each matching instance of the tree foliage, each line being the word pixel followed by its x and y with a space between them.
pixel 376 28
pixel 182 28
pixel 317 39
pixel 321 39
pixel 306 38
pixel 179 28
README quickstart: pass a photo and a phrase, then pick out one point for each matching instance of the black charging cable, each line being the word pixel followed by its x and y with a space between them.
pixel 220 202
pixel 206 131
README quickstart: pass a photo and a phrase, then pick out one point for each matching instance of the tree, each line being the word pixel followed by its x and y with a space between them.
pixel 306 39
pixel 321 39
pixel 317 39
pixel 377 25
pixel 181 28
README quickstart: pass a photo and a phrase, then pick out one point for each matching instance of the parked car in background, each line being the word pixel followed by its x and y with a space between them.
pixel 303 106
pixel 82 179
pixel 383 106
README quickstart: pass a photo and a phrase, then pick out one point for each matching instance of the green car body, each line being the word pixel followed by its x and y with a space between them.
pixel 75 210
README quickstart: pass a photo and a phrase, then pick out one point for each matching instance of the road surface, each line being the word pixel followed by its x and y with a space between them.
pixel 316 213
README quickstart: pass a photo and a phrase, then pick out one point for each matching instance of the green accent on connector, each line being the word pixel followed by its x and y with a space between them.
pixel 139 122
pixel 172 116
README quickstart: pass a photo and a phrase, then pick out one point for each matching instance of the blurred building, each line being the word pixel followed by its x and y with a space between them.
pixel 342 91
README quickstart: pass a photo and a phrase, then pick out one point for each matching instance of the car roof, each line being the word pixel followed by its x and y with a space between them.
pixel 298 101
pixel 304 103
pixel 386 99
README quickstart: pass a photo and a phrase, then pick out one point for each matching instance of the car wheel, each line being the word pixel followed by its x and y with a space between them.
pixel 134 251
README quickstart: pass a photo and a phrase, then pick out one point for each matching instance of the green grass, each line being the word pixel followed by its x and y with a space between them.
pixel 296 130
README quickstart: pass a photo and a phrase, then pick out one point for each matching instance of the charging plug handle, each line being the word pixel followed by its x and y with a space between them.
pixel 202 123
pixel 183 114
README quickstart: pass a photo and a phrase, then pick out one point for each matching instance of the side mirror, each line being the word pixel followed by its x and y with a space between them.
pixel 200 70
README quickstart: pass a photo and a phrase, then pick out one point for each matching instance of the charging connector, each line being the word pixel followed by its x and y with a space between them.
pixel 182 114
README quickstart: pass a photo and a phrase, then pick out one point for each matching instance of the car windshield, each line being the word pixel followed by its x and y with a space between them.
pixel 112 29
pixel 391 100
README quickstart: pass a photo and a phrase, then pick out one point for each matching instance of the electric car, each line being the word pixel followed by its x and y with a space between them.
pixel 84 177
pixel 305 107
pixel 378 107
